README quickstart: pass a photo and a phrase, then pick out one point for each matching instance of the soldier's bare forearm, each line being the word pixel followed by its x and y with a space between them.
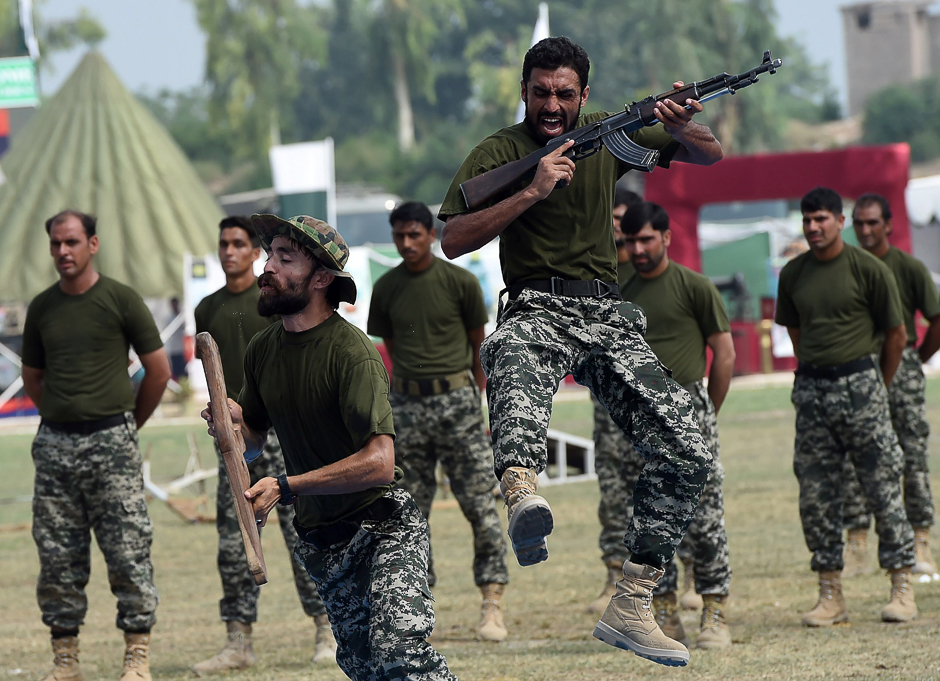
pixel 895 340
pixel 372 465
pixel 931 340
pixel 699 145
pixel 470 231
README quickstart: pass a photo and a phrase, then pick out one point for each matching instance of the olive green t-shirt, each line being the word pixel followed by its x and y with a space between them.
pixel 916 287
pixel 841 307
pixel 232 319
pixel 427 315
pixel 625 270
pixel 683 308
pixel 325 392
pixel 81 343
pixel 570 233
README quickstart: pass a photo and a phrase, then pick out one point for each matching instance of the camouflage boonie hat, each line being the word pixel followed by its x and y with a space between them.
pixel 323 241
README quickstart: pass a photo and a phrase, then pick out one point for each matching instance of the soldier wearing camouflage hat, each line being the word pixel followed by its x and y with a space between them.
pixel 843 312
pixel 320 383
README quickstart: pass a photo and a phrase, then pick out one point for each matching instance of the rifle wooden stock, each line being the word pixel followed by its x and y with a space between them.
pixel 232 445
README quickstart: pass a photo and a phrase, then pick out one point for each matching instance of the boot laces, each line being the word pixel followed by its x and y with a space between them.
pixel 711 615
pixel 826 590
pixel 900 585
pixel 64 659
pixel 135 656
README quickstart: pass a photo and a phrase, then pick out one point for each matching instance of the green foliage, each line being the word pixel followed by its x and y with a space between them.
pixel 908 112
pixel 359 70
pixel 53 36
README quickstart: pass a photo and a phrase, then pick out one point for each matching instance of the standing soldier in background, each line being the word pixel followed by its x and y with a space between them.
pixel 842 310
pixel 685 314
pixel 872 222
pixel 430 315
pixel 88 465
pixel 231 316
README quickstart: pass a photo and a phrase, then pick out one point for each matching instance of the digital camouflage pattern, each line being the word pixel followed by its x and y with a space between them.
pixel 449 428
pixel 376 593
pixel 618 464
pixel 909 417
pixel 239 601
pixel 849 418
pixel 539 339
pixel 88 483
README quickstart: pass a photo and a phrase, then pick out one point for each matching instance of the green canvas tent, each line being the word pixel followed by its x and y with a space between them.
pixel 93 147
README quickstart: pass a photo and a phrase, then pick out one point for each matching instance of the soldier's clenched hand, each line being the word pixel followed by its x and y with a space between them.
pixel 553 169
pixel 263 496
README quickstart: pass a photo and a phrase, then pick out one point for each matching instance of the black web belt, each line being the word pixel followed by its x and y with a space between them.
pixel 595 288
pixel 340 532
pixel 837 371
pixel 84 427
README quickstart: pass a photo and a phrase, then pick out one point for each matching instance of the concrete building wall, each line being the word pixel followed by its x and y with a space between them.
pixel 886 42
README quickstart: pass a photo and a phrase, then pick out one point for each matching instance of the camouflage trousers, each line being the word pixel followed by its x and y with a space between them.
pixel 839 419
pixel 239 601
pixel 376 593
pixel 449 429
pixel 909 418
pixel 541 338
pixel 88 483
pixel 618 464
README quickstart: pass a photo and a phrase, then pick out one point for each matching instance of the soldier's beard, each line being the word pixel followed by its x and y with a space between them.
pixel 285 301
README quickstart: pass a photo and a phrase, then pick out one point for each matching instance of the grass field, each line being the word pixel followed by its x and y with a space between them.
pixel 550 633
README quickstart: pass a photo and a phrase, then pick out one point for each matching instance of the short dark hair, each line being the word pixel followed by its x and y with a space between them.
pixel 821 198
pixel 242 222
pixel 866 200
pixel 89 222
pixel 642 213
pixel 412 211
pixel 625 197
pixel 553 53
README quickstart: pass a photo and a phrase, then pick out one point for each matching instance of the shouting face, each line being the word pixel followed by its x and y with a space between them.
pixel 553 101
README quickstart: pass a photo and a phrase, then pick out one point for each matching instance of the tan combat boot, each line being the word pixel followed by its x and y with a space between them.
pixel 491 626
pixel 690 600
pixel 530 517
pixel 65 660
pixel 714 632
pixel 628 621
pixel 830 608
pixel 666 612
pixel 901 607
pixel 599 604
pixel 136 657
pixel 326 644
pixel 237 653
pixel 855 554
pixel 924 564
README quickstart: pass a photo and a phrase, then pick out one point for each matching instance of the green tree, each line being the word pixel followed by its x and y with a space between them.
pixel 908 112
pixel 53 36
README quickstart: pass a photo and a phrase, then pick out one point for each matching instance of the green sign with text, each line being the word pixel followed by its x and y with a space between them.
pixel 18 85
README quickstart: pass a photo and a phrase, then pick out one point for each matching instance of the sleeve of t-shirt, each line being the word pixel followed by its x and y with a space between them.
pixel 364 401
pixel 786 313
pixel 472 307
pixel 139 325
pixel 254 413
pixel 883 297
pixel 926 298
pixel 710 310
pixel 477 163
pixel 379 322
pixel 34 353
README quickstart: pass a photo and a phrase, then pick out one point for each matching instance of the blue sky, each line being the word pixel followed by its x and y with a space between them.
pixel 154 44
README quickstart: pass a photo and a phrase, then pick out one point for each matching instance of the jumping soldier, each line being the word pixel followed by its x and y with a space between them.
pixel 89 473
pixel 430 315
pixel 231 316
pixel 842 310
pixel 871 219
pixel 320 383
pixel 564 316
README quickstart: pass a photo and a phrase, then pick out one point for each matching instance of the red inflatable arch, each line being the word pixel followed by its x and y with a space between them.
pixel 683 189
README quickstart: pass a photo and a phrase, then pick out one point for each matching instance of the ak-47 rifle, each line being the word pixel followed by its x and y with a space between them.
pixel 611 132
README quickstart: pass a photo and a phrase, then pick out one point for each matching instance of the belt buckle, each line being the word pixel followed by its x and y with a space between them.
pixel 601 292
pixel 557 286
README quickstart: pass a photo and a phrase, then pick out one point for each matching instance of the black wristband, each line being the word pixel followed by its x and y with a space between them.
pixel 287 497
